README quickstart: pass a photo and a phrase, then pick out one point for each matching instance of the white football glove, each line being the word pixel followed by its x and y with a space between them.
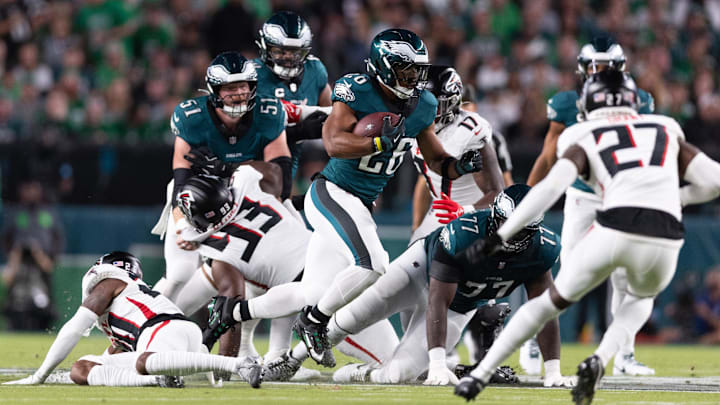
pixel 440 376
pixel 29 380
pixel 553 377
pixel 438 373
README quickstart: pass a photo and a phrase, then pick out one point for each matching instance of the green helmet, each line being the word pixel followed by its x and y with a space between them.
pixel 399 61
pixel 230 67
pixel 285 42
pixel 505 204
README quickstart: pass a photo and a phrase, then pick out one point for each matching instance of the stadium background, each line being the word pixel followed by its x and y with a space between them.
pixel 87 89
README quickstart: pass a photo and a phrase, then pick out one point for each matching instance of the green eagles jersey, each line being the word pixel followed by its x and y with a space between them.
pixel 366 177
pixel 192 122
pixel 562 108
pixel 307 92
pixel 495 277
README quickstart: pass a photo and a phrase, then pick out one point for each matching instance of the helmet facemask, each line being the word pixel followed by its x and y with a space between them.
pixel 237 103
pixel 286 62
pixel 406 78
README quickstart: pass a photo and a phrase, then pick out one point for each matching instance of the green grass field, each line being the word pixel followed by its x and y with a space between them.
pixel 26 351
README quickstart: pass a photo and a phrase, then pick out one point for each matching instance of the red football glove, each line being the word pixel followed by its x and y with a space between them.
pixel 453 209
pixel 292 111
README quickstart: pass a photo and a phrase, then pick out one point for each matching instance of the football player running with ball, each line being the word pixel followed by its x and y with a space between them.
pixel 345 245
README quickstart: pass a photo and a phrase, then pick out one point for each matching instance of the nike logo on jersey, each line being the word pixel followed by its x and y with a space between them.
pixel 176 118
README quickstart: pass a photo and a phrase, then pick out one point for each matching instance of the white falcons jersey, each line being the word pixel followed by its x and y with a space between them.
pixel 264 241
pixel 127 313
pixel 467 132
pixel 633 159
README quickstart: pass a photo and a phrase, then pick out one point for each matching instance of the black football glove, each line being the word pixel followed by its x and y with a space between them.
pixel 493 315
pixel 205 162
pixel 390 134
pixel 482 248
pixel 309 128
pixel 504 375
pixel 469 162
pixel 469 387
pixel 221 319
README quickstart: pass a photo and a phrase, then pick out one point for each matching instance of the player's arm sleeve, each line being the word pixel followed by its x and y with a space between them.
pixel 442 266
pixel 503 154
pixel 541 197
pixel 285 164
pixel 66 340
pixel 704 174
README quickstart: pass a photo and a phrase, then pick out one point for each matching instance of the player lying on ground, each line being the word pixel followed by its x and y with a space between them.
pixel 637 161
pixel 153 335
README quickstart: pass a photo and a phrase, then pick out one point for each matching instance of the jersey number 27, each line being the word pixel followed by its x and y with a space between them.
pixel 627 141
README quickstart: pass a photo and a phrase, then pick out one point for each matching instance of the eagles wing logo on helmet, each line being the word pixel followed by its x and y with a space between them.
pixel 505 205
pixel 342 91
pixel 453 84
pixel 403 50
pixel 185 200
pixel 216 74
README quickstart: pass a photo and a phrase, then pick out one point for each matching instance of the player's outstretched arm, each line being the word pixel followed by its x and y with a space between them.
pixel 440 296
pixel 543 196
pixel 490 178
pixel 441 162
pixel 230 282
pixel 547 157
pixel 337 136
pixel 69 335
pixel 702 172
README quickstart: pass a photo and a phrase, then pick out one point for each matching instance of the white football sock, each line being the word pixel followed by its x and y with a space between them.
pixel 299 352
pixel 631 315
pixel 247 345
pixel 528 321
pixel 280 336
pixel 111 376
pixel 186 363
pixel 346 286
pixel 282 300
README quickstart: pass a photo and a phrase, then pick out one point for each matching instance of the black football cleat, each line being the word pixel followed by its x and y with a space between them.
pixel 314 336
pixel 469 387
pixel 589 373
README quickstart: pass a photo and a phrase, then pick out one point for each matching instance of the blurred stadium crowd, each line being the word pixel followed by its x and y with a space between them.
pixel 109 72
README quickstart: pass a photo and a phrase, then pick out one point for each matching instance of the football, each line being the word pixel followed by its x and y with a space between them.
pixel 371 124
